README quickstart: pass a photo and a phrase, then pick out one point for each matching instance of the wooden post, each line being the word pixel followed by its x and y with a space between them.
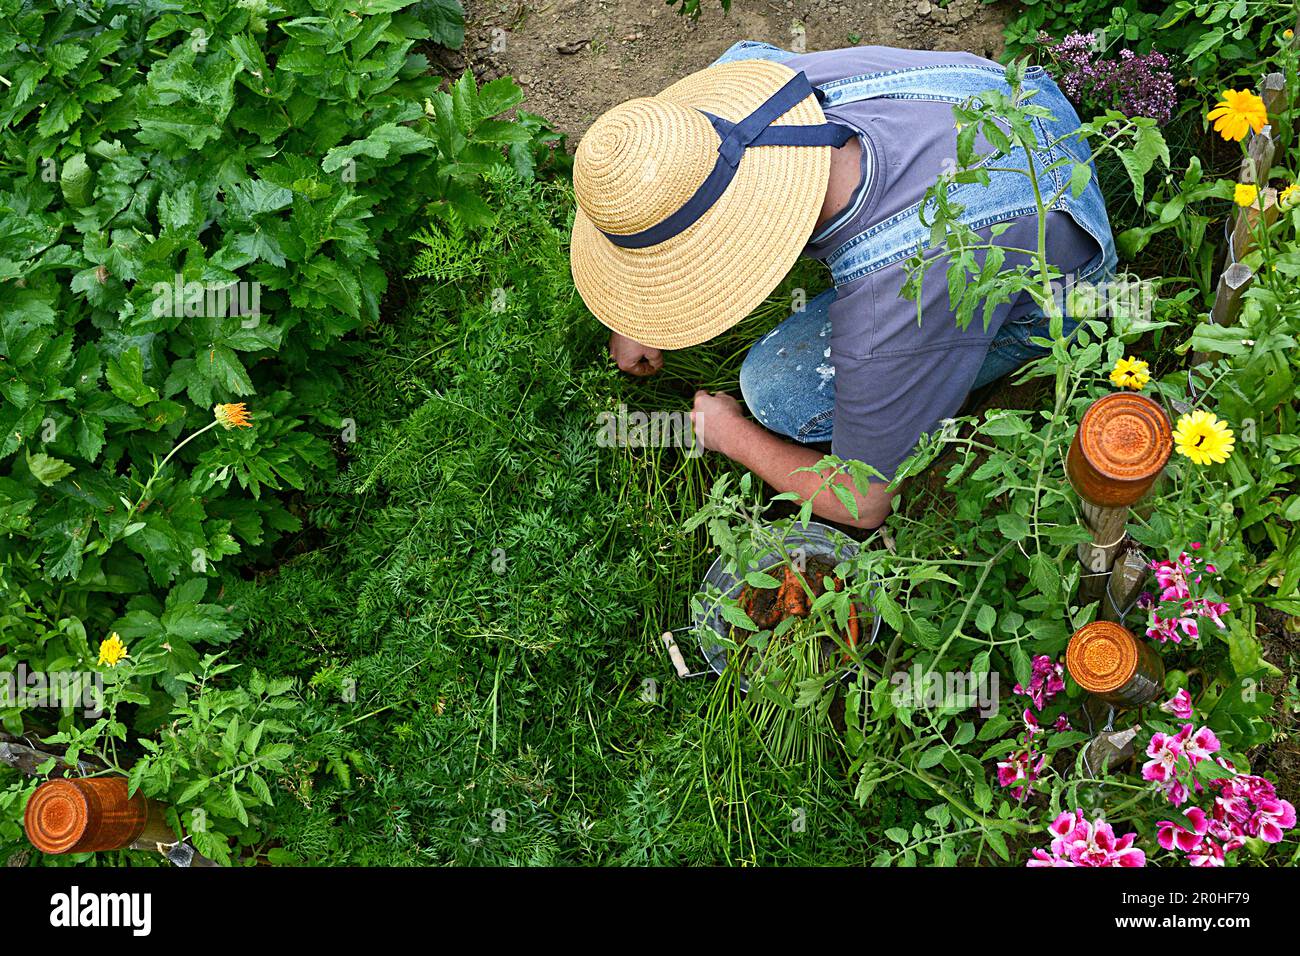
pixel 1107 528
pixel 88 814
pixel 23 755
pixel 1118 452
pixel 1233 284
pixel 1109 749
pixel 1258 159
pixel 1228 297
pixel 1127 576
pixel 1245 231
pixel 1272 90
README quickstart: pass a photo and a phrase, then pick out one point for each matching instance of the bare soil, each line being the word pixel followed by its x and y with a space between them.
pixel 577 58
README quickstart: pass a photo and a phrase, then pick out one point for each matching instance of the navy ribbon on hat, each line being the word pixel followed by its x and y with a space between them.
pixel 756 129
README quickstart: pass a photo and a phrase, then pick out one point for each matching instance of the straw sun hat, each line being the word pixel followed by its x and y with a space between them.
pixel 658 253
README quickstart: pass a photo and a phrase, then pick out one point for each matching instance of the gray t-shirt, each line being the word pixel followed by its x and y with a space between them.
pixel 895 380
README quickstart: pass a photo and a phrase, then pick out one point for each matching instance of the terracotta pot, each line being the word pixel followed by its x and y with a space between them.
pixel 88 814
pixel 1108 661
pixel 1120 448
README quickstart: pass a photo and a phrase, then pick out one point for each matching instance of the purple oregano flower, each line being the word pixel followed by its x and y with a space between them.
pixel 1133 84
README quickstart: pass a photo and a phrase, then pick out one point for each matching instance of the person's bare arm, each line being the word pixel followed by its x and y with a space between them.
pixel 721 426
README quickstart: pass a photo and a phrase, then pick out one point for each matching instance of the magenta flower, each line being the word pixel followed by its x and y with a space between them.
pixel 1204 607
pixel 1019 769
pixel 1172 576
pixel 1273 818
pixel 1245 806
pixel 1180 705
pixel 1164 629
pixel 1032 726
pixel 1195 843
pixel 1177 613
pixel 1076 842
pixel 1207 853
pixel 1171 835
pixel 1164 751
pixel 1046 681
pixel 1198 745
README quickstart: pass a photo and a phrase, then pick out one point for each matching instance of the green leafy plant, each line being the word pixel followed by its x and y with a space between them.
pixel 195 203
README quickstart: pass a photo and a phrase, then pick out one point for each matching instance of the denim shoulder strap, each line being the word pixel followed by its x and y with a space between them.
pixel 754 50
pixel 1007 196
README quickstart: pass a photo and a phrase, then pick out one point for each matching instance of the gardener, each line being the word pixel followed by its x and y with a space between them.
pixel 694 204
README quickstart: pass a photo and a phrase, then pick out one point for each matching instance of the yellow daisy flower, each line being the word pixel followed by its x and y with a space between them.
pixel 1245 194
pixel 1287 197
pixel 1237 112
pixel 112 650
pixel 233 416
pixel 1200 436
pixel 1130 373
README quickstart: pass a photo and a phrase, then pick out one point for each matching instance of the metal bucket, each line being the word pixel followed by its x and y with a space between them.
pixel 815 540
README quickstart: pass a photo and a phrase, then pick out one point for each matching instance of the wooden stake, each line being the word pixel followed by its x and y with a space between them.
pixel 23 754
pixel 1245 232
pixel 1233 284
pixel 1106 525
pixel 1259 157
pixel 1119 450
pixel 1272 90
pixel 1127 576
pixel 1232 287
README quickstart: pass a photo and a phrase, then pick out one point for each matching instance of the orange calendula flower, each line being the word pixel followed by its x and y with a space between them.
pixel 112 650
pixel 1245 194
pixel 1238 112
pixel 232 416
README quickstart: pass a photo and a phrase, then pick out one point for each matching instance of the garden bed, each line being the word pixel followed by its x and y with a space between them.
pixel 393 603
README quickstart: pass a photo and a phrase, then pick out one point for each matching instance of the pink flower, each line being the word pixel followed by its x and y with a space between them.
pixel 1245 806
pixel 1076 842
pixel 1204 607
pixel 1164 751
pixel 1172 576
pixel 1164 629
pixel 1177 613
pixel 1207 853
pixel 1062 723
pixel 1032 727
pixel 1018 769
pixel 1047 680
pixel 1272 819
pixel 1180 705
pixel 1233 805
pixel 1170 835
pixel 1198 745
pixel 1042 858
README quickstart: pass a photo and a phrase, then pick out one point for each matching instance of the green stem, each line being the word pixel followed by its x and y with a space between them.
pixel 163 464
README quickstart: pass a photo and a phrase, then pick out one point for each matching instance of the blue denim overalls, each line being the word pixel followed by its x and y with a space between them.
pixel 1007 195
pixel 802 406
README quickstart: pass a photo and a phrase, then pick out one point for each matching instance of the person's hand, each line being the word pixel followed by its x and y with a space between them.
pixel 633 357
pixel 717 420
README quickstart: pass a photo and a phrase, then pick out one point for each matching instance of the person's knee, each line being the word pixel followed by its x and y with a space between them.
pixel 757 376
